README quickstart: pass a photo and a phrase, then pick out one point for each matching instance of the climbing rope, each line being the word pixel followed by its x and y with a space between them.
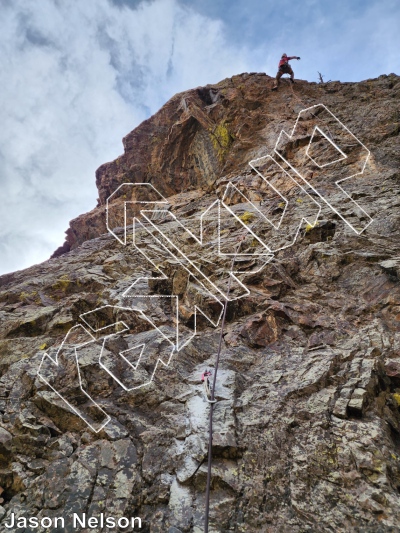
pixel 212 400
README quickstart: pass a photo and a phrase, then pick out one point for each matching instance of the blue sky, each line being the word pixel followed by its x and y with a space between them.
pixel 348 40
pixel 78 76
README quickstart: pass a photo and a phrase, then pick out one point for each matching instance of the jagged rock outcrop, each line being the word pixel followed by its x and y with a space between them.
pixel 307 434
pixel 213 131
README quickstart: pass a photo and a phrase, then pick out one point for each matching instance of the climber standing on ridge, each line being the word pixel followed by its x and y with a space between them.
pixel 284 68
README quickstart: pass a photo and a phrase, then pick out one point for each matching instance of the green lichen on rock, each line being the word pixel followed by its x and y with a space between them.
pixel 60 287
pixel 222 140
pixel 247 217
pixel 30 297
pixel 309 226
pixel 396 397
pixel 62 283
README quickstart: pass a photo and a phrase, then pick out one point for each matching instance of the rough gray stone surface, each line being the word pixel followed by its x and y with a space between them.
pixel 307 435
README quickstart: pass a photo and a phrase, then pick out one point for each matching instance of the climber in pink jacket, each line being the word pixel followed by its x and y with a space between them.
pixel 284 68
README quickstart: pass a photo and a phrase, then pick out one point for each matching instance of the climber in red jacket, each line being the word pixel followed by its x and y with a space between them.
pixel 284 68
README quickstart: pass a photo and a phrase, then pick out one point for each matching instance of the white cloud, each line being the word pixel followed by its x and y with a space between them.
pixel 76 77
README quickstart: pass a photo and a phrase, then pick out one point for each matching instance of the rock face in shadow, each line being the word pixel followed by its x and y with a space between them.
pixel 306 427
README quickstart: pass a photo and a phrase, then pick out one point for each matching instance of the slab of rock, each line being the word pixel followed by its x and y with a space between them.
pixel 306 424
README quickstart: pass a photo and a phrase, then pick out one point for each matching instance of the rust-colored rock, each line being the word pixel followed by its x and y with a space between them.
pixel 261 330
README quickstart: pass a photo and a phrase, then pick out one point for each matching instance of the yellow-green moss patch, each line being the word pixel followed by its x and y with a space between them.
pixel 30 297
pixel 309 227
pixel 247 217
pixel 62 283
pixel 396 397
pixel 222 140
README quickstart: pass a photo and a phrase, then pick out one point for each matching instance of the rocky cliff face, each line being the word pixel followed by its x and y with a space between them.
pixel 306 428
